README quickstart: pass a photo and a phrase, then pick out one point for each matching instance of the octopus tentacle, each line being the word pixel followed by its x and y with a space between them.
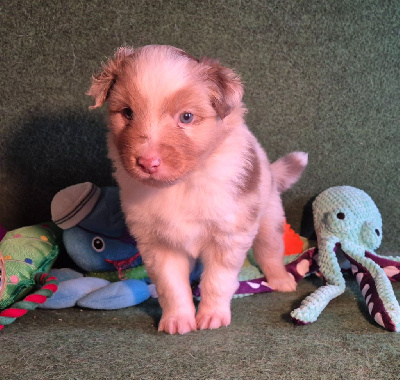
pixel 378 293
pixel 312 306
pixel 389 264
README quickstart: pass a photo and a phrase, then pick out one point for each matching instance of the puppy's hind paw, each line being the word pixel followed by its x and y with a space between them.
pixel 213 320
pixel 177 324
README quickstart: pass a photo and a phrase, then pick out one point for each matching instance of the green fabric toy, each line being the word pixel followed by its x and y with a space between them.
pixel 26 254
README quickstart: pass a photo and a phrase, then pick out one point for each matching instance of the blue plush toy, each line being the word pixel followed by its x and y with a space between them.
pixel 96 238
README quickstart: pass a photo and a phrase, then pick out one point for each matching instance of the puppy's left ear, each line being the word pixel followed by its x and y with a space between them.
pixel 102 83
pixel 226 87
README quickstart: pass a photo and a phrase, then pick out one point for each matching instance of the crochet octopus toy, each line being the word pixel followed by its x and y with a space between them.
pixel 349 228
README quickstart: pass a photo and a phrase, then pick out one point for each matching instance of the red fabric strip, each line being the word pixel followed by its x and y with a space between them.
pixel 36 298
pixel 52 287
pixel 13 313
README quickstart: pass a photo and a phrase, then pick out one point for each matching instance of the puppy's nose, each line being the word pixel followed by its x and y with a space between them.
pixel 149 164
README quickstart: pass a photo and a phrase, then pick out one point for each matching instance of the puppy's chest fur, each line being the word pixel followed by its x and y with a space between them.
pixel 190 217
pixel 209 206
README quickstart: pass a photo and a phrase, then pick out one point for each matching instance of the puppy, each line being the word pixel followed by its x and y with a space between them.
pixel 194 181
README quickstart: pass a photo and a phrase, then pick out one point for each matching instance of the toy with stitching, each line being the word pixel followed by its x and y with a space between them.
pixel 349 228
pixel 96 239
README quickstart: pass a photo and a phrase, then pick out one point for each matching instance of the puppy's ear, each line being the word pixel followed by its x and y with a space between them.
pixel 226 87
pixel 102 83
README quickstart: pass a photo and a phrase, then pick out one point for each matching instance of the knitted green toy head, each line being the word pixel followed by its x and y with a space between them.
pixel 350 214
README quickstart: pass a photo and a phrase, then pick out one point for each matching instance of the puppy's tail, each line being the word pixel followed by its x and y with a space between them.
pixel 287 170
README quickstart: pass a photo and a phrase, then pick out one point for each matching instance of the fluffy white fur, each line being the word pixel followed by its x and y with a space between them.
pixel 198 189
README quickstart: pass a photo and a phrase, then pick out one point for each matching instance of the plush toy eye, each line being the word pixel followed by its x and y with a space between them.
pixel 186 117
pixel 340 215
pixel 127 113
pixel 378 233
pixel 98 244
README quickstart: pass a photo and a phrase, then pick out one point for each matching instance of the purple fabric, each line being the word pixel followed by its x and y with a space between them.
pixel 258 285
pixel 306 255
pixel 372 292
pixel 383 263
pixel 3 231
pixel 254 286
pixel 297 322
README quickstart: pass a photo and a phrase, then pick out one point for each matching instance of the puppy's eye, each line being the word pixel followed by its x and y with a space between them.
pixel 127 113
pixel 186 117
pixel 341 215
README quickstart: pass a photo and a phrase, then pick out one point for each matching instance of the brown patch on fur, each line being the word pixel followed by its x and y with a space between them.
pixel 103 82
pixel 281 228
pixel 186 100
pixel 226 86
pixel 178 151
pixel 254 211
pixel 175 149
pixel 250 181
pixel 123 96
pixel 247 218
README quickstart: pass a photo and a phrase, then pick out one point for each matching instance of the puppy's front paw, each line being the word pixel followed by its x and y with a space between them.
pixel 283 283
pixel 213 319
pixel 177 324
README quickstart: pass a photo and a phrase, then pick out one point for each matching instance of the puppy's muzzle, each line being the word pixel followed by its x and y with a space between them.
pixel 149 165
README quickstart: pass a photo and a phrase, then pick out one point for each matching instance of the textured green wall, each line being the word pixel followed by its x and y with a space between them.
pixel 320 76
